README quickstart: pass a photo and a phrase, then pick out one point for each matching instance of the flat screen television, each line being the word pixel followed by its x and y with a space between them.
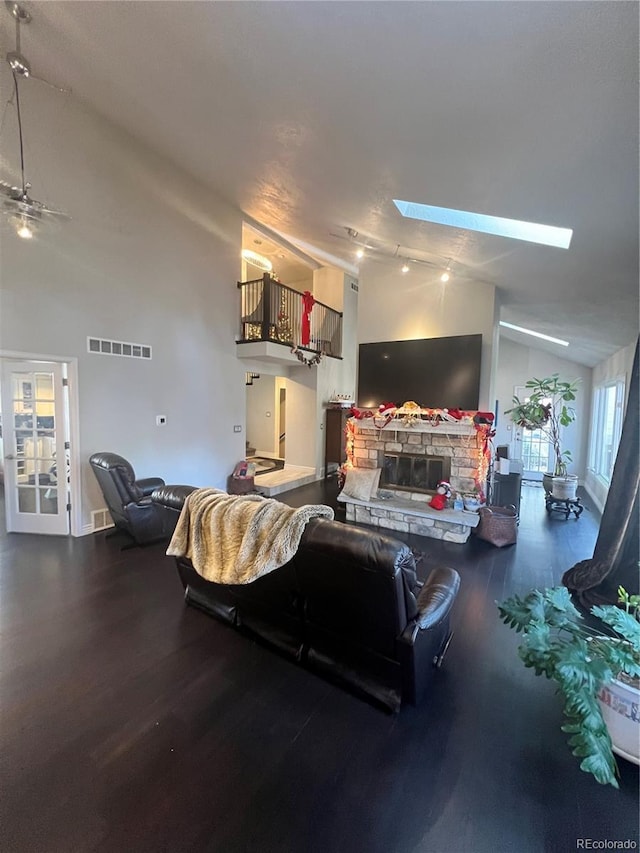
pixel 436 373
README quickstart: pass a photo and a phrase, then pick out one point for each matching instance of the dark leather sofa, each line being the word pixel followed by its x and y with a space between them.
pixel 348 606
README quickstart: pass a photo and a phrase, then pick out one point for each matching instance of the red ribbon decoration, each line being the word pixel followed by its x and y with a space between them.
pixel 308 302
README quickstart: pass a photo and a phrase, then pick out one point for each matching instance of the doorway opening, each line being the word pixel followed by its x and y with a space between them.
pixel 266 408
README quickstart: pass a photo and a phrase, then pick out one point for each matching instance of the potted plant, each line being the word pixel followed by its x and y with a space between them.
pixel 597 672
pixel 546 408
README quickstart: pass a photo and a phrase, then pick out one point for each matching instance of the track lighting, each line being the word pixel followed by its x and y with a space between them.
pixel 405 267
pixel 444 276
pixel 360 253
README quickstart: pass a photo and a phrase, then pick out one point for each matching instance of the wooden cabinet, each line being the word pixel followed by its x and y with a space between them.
pixel 335 437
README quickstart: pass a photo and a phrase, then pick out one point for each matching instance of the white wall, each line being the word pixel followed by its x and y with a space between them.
pixel 302 429
pixel 148 257
pixel 335 376
pixel 516 365
pixel 618 366
pixel 393 306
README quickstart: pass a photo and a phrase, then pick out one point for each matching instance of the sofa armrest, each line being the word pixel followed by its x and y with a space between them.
pixel 437 596
pixel 147 485
pixel 425 639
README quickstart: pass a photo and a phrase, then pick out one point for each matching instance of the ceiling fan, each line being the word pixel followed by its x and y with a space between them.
pixel 24 213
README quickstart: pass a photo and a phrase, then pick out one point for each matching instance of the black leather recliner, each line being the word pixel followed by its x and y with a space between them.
pixel 129 500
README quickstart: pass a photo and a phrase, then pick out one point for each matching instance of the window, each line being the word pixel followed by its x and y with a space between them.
pixel 606 427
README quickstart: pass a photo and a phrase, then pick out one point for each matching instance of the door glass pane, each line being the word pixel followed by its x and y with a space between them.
pixel 24 442
pixel 26 499
pixel 23 420
pixel 44 468
pixel 535 451
pixel 49 501
pixel 44 386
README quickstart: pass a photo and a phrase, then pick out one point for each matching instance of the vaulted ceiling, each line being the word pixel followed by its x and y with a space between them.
pixel 312 116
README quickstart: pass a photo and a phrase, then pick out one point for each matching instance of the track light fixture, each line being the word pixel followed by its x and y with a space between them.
pixel 446 275
pixel 404 267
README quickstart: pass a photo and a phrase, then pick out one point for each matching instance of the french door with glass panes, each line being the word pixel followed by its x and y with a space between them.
pixel 532 447
pixel 36 464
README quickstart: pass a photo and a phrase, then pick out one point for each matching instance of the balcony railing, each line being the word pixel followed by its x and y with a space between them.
pixel 270 311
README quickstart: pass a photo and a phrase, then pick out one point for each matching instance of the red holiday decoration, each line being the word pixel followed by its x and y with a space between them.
pixel 307 302
pixel 439 500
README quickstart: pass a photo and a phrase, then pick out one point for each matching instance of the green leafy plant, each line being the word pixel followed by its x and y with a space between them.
pixel 557 643
pixel 546 409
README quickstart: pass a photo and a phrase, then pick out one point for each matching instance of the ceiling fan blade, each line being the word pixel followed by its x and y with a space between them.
pixel 32 209
pixel 52 211
pixel 12 192
pixel 64 89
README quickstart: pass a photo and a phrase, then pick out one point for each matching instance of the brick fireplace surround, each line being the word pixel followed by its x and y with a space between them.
pixel 408 511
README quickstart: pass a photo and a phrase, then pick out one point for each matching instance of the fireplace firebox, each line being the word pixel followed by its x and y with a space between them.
pixel 414 473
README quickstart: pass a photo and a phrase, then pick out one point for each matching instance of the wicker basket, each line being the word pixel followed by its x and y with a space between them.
pixel 498 525
pixel 240 485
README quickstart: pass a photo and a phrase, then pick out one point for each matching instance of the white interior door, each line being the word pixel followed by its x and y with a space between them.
pixel 35 459
pixel 531 447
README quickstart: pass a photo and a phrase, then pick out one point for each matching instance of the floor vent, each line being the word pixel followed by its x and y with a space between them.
pixel 101 519
pixel 100 346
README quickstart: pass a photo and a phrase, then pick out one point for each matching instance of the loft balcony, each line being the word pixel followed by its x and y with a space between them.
pixel 271 323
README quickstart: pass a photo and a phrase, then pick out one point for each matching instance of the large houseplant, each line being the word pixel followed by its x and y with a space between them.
pixel 547 408
pixel 586 663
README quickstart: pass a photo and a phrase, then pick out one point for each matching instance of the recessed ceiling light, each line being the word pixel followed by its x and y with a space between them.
pixel 532 232
pixel 535 334
pixel 444 276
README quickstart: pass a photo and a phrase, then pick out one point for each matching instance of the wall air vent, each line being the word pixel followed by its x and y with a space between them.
pixel 100 520
pixel 354 285
pixel 99 346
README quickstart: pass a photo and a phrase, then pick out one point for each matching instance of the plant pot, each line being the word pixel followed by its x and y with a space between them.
pixel 620 704
pixel 547 482
pixel 564 488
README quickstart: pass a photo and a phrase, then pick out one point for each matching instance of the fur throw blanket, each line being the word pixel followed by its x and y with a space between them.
pixel 235 539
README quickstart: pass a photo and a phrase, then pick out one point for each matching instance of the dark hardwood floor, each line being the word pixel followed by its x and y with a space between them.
pixel 133 723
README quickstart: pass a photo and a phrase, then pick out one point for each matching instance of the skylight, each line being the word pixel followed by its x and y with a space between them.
pixel 535 334
pixel 548 235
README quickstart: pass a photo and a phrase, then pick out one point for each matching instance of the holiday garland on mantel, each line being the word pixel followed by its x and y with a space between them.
pixel 410 414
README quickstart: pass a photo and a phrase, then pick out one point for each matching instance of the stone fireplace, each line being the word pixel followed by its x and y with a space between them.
pixel 450 452
pixel 413 459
